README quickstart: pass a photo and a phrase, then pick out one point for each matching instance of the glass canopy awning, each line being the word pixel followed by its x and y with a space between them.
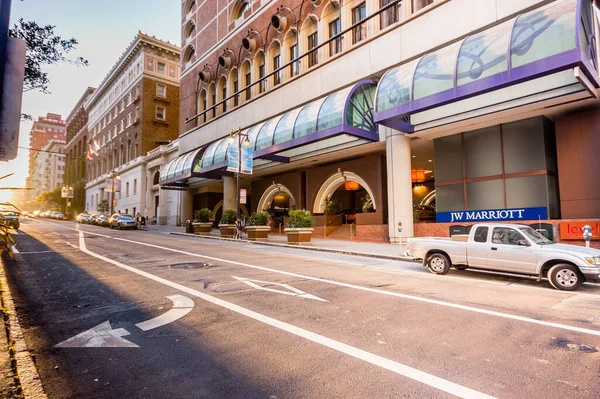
pixel 544 41
pixel 340 120
pixel 177 171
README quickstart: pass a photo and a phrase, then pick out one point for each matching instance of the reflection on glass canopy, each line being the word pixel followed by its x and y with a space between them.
pixel 180 167
pixel 534 36
pixel 207 159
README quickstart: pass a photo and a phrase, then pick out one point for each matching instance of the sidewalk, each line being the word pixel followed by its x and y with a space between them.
pixel 356 247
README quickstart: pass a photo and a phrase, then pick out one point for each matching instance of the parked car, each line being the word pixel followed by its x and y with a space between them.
pixel 102 220
pixel 83 218
pixel 37 213
pixel 509 248
pixel 59 216
pixel 11 218
pixel 92 219
pixel 122 221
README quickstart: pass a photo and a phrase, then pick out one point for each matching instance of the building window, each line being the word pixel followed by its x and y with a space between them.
pixel 391 15
pixel 359 14
pixel 247 83
pixel 418 4
pixel 213 98
pixel 129 98
pixel 236 87
pixel 161 90
pixel 276 66
pixel 161 68
pixel 134 187
pixel 129 119
pixel 313 42
pixel 122 125
pixel 335 46
pixel 239 9
pixel 122 105
pixel 161 113
pixel 127 189
pixel 224 96
pixel 262 86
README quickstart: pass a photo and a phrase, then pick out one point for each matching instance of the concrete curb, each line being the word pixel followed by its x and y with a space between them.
pixel 303 247
pixel 31 383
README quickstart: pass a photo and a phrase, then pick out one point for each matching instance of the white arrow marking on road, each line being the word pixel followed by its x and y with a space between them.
pixel 101 336
pixel 181 306
pixel 295 291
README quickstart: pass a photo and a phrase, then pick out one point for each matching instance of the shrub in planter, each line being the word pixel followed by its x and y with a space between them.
pixel 201 223
pixel 202 216
pixel 300 227
pixel 257 226
pixel 227 223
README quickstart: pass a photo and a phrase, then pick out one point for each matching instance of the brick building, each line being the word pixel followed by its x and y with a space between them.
pixel 133 111
pixel 43 130
pixel 387 111
pixel 76 149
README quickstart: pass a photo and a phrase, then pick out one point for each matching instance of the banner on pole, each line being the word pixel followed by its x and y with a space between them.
pixel 247 159
pixel 242 195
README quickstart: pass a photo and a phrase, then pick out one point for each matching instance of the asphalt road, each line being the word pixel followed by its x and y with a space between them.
pixel 174 317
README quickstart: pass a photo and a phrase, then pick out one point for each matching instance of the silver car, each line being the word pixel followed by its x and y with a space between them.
pixel 121 221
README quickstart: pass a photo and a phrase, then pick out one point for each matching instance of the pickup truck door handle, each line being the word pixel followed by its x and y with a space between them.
pixel 494 249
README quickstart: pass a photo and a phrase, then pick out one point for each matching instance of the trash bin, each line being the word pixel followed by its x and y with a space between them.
pixel 189 228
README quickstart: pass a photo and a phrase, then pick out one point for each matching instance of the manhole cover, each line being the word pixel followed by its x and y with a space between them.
pixel 191 265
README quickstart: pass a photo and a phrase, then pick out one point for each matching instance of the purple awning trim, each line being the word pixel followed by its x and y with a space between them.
pixel 575 57
pixel 276 158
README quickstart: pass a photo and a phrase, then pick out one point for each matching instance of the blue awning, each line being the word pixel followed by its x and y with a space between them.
pixel 345 116
pixel 176 172
pixel 544 41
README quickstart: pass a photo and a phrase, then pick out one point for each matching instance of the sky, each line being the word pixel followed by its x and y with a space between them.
pixel 104 29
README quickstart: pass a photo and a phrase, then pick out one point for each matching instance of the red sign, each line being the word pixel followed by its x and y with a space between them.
pixel 574 230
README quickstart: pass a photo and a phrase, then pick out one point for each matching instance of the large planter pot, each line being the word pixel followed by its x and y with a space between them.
pixel 227 230
pixel 258 233
pixel 299 235
pixel 202 228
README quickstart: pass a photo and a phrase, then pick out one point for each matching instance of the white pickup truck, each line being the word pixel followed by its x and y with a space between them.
pixel 509 248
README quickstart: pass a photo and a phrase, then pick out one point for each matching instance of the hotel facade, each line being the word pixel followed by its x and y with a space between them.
pixel 432 114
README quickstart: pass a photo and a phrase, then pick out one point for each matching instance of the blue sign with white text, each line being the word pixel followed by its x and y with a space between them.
pixel 492 215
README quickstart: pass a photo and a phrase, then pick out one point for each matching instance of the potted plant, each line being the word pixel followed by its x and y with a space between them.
pixel 257 226
pixel 227 223
pixel 201 223
pixel 300 227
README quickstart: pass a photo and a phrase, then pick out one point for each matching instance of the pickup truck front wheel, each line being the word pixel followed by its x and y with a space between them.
pixel 565 277
pixel 438 264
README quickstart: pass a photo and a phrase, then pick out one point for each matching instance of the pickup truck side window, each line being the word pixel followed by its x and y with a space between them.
pixel 481 234
pixel 503 235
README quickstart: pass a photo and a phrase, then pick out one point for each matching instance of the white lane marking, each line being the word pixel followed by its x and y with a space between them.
pixel 181 306
pixel 394 294
pixel 295 291
pixel 398 368
pixel 101 336
pixel 14 249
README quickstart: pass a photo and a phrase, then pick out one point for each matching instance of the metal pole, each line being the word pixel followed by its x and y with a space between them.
pixel 112 196
pixel 239 168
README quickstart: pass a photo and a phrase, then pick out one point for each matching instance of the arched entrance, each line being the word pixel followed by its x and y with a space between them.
pixel 347 193
pixel 217 211
pixel 277 200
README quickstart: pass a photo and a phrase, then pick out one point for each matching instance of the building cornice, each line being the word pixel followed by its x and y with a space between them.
pixel 89 91
pixel 137 43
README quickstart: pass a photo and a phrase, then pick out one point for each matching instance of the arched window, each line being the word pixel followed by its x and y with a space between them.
pixel 156 178
pixel 238 9
pixel 259 71
pixel 310 40
pixel 246 76
pixel 188 54
pixel 190 30
pixel 290 43
pixel 202 104
pixel 222 93
pixel 331 25
pixel 274 62
pixel 212 99
pixel 233 87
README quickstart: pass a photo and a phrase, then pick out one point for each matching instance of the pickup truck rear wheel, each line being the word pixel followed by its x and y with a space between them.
pixel 565 277
pixel 438 264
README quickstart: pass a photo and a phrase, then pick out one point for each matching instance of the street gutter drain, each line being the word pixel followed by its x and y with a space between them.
pixel 190 265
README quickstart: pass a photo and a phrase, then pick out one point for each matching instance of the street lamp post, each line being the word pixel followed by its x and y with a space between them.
pixel 232 136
